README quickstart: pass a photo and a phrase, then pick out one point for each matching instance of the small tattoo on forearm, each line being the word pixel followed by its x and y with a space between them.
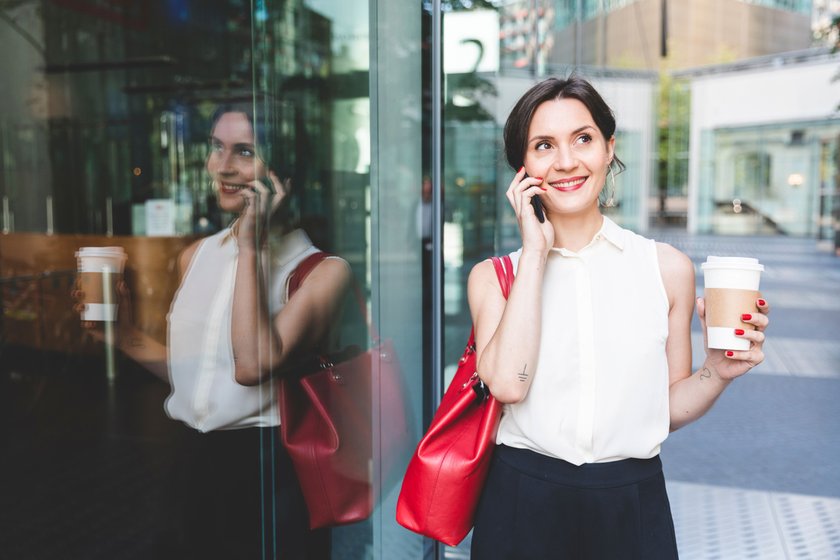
pixel 705 374
pixel 523 377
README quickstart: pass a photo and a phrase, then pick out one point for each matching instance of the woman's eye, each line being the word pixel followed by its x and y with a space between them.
pixel 542 146
pixel 584 139
pixel 246 152
pixel 214 147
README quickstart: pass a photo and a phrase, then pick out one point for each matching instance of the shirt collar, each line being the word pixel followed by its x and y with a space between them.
pixel 290 246
pixel 610 231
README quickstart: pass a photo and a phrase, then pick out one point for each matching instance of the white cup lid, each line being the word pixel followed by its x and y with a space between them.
pixel 100 252
pixel 740 263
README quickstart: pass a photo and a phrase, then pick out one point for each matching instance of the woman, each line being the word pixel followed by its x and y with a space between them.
pixel 232 327
pixel 591 353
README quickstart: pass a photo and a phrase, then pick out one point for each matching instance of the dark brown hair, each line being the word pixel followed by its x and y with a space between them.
pixel 574 87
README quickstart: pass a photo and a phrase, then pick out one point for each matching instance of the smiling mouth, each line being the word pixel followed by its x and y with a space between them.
pixel 231 189
pixel 568 185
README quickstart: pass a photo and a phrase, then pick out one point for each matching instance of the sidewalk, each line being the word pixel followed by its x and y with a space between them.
pixel 759 475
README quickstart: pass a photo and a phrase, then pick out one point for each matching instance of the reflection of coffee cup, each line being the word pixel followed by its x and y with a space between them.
pixel 100 268
pixel 731 288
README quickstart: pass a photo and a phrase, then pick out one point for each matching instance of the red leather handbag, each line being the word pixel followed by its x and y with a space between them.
pixel 326 423
pixel 446 474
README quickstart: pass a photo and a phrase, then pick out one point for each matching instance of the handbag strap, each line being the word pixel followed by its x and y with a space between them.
pixel 303 269
pixel 307 265
pixel 504 272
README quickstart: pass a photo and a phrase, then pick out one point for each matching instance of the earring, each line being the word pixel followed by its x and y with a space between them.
pixel 610 186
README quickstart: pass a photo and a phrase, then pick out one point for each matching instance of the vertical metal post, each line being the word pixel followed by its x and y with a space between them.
pixel 663 39
pixel 50 228
pixel 437 200
pixel 578 32
pixel 7 227
pixel 108 300
pixel 109 216
pixel 437 212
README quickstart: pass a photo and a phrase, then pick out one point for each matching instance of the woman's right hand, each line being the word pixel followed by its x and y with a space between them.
pixel 260 204
pixel 536 235
pixel 93 328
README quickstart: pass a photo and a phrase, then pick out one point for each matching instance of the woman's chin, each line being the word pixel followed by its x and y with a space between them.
pixel 232 206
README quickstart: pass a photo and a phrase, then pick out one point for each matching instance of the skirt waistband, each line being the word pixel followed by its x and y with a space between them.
pixel 588 475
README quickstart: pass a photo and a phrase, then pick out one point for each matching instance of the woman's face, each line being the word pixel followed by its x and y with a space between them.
pixel 233 162
pixel 566 149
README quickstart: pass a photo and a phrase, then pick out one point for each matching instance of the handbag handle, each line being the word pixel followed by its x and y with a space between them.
pixel 307 265
pixel 504 272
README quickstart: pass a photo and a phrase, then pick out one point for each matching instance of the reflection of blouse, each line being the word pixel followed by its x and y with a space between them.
pixel 205 394
pixel 600 389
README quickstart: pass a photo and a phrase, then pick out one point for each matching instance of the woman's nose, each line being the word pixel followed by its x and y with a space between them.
pixel 225 164
pixel 564 158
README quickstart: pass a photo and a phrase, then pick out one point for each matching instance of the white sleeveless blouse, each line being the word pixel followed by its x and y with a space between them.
pixel 600 389
pixel 205 394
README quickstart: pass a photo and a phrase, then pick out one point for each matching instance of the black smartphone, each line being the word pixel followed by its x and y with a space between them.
pixel 269 184
pixel 538 206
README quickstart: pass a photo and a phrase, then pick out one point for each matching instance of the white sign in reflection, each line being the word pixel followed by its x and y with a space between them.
pixel 470 41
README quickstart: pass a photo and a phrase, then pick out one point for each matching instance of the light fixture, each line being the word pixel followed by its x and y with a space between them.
pixel 795 179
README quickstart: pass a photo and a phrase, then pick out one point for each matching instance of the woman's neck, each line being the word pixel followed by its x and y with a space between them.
pixel 576 232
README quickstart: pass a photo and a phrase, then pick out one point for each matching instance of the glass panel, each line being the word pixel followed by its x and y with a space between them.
pixel 159 128
pixel 765 180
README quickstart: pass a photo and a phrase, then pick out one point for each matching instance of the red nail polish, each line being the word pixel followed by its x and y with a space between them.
pixel 730 353
pixel 739 331
pixel 538 178
pixel 520 169
pixel 746 317
pixel 761 303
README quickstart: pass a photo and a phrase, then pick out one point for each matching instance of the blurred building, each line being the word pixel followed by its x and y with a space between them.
pixel 689 33
pixel 764 145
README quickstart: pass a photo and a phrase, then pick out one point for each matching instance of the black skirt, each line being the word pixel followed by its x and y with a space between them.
pixel 539 507
pixel 239 497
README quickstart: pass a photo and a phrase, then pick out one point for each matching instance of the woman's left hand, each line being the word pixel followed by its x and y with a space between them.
pixel 260 204
pixel 730 364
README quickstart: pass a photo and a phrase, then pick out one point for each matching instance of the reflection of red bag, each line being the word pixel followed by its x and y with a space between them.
pixel 446 475
pixel 326 424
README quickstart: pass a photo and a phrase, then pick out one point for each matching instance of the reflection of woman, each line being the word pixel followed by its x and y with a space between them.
pixel 591 353
pixel 231 325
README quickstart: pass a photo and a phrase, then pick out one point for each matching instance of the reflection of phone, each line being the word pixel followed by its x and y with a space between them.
pixel 538 206
pixel 269 184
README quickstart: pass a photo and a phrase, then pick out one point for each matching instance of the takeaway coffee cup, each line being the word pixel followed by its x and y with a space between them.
pixel 731 288
pixel 100 268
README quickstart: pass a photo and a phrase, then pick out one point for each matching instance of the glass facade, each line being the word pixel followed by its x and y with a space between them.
pixel 120 130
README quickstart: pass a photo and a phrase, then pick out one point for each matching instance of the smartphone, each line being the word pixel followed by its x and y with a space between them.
pixel 538 206
pixel 269 184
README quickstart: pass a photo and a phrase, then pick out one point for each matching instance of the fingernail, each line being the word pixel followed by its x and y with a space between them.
pixel 544 188
pixel 746 317
pixel 520 169
pixel 538 178
pixel 730 353
pixel 761 303
pixel 739 331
